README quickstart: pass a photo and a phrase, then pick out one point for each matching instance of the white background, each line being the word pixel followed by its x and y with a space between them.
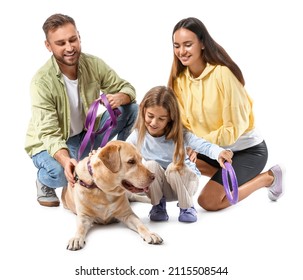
pixel 255 239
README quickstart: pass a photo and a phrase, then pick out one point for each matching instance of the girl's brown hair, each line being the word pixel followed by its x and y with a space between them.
pixel 164 97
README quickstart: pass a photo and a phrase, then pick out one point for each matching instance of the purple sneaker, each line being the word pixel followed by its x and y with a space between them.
pixel 188 215
pixel 276 190
pixel 158 212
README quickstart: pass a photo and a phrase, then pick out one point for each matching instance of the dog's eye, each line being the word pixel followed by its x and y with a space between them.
pixel 131 161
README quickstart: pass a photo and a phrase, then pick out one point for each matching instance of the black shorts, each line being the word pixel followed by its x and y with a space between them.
pixel 247 163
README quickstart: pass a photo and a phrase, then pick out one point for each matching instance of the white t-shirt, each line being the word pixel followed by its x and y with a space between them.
pixel 76 112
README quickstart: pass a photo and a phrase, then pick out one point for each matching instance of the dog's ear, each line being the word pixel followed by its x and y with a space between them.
pixel 110 156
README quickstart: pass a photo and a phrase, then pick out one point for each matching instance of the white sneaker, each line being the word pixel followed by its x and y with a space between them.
pixel 276 190
pixel 46 196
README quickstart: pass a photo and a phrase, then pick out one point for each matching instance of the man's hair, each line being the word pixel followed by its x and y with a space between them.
pixel 55 21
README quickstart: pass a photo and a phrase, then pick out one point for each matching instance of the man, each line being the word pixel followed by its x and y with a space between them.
pixel 61 93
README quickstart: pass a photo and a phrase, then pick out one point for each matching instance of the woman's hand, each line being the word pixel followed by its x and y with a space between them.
pixel 225 155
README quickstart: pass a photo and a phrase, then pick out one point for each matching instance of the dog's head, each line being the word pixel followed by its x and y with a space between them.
pixel 118 166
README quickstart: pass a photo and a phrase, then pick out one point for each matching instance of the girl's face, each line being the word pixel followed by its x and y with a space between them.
pixel 156 120
pixel 187 47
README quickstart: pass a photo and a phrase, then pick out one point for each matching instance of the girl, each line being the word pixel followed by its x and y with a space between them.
pixel 214 105
pixel 159 136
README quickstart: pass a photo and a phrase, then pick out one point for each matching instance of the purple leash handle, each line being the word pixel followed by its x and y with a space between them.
pixel 111 122
pixel 90 123
pixel 232 195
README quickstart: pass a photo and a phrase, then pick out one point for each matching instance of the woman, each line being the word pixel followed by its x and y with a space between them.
pixel 214 104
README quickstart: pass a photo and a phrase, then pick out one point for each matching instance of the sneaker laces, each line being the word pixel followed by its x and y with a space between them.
pixel 48 191
pixel 190 211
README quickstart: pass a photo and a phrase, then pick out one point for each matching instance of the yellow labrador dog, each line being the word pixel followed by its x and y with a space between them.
pixel 107 180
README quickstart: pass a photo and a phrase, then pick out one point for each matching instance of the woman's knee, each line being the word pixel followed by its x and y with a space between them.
pixel 209 199
pixel 206 203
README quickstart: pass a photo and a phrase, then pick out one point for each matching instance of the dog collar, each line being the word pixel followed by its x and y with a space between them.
pixel 82 183
pixel 89 168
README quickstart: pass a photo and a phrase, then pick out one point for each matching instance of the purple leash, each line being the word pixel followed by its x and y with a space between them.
pixel 90 123
pixel 232 195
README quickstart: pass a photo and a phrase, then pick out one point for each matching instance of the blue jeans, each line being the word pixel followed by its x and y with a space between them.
pixel 51 173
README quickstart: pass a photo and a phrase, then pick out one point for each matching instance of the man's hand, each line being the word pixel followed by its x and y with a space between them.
pixel 69 170
pixel 118 99
pixel 68 163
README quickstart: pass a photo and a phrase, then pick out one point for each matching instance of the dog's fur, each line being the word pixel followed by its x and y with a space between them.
pixel 112 175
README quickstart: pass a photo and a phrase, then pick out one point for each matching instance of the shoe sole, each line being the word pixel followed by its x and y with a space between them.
pixel 187 221
pixel 49 203
pixel 159 220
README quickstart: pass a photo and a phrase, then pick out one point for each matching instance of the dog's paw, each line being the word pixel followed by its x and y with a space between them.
pixel 75 244
pixel 138 197
pixel 153 238
pixel 143 199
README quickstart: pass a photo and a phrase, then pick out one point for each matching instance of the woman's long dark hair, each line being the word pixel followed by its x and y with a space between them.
pixel 213 53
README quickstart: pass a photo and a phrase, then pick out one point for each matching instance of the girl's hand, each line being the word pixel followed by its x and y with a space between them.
pixel 225 155
pixel 191 154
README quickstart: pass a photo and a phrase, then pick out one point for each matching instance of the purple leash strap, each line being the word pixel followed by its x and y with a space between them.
pixel 232 195
pixel 90 123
